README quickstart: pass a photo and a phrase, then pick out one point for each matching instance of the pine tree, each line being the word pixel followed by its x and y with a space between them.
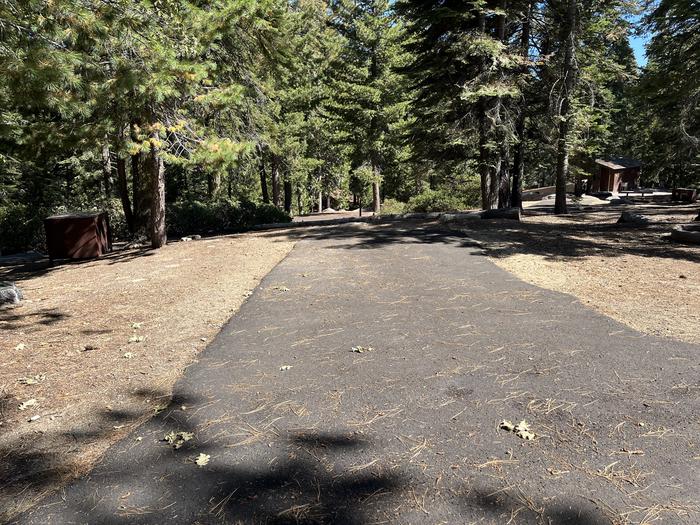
pixel 463 70
pixel 368 92
pixel 667 104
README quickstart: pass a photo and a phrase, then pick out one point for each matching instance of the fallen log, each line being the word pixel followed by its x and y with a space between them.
pixel 689 233
pixel 500 213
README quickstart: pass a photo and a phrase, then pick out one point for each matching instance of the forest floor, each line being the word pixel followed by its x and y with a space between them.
pixel 99 366
pixel 332 214
pixel 391 373
pixel 631 273
pixel 96 347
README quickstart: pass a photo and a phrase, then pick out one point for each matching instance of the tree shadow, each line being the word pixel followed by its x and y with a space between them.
pixel 292 491
pixel 354 236
pixel 11 320
pixel 513 505
pixel 163 485
pixel 18 268
pixel 29 471
pixel 585 233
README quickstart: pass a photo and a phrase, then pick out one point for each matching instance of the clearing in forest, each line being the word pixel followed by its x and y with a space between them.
pixel 372 376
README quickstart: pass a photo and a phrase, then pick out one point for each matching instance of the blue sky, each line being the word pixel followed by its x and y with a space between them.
pixel 638 43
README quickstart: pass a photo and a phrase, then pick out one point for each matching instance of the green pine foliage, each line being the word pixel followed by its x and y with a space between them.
pixel 183 116
pixel 668 102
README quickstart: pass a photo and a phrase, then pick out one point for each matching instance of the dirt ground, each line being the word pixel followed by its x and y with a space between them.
pixel 299 425
pixel 631 273
pixel 100 345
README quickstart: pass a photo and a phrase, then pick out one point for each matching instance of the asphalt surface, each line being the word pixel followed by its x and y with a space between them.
pixel 302 429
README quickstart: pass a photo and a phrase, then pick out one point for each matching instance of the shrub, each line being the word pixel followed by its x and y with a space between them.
pixel 117 221
pixel 268 213
pixel 393 207
pixel 22 228
pixel 223 215
pixel 434 200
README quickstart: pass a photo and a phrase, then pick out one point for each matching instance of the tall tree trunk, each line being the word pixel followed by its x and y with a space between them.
pixel 123 188
pixel 320 201
pixel 274 169
pixel 263 181
pixel 141 193
pixel 299 210
pixel 213 184
pixel 376 198
pixel 135 180
pixel 501 21
pixel 569 74
pixel 157 186
pixel 328 201
pixel 107 169
pixel 140 182
pixel 502 168
pixel 516 196
pixel 489 195
pixel 210 186
pixel 504 178
pixel 483 160
pixel 287 195
pixel 494 178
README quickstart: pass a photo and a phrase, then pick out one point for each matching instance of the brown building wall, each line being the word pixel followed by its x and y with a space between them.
pixel 612 180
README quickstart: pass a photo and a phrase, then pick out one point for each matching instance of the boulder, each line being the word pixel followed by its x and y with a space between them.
pixel 628 217
pixel 9 293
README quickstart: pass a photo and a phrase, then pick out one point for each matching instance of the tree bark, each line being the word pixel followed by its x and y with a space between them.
pixel 501 21
pixel 287 196
pixel 569 73
pixel 141 196
pixel 328 201
pixel 483 159
pixel 123 188
pixel 376 198
pixel 516 195
pixel 213 184
pixel 504 179
pixel 494 166
pixel 320 201
pixel 263 181
pixel 107 170
pixel 502 168
pixel 157 183
pixel 299 210
pixel 488 184
pixel 274 173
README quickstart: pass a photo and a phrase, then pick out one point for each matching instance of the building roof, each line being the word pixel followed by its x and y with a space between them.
pixel 619 163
